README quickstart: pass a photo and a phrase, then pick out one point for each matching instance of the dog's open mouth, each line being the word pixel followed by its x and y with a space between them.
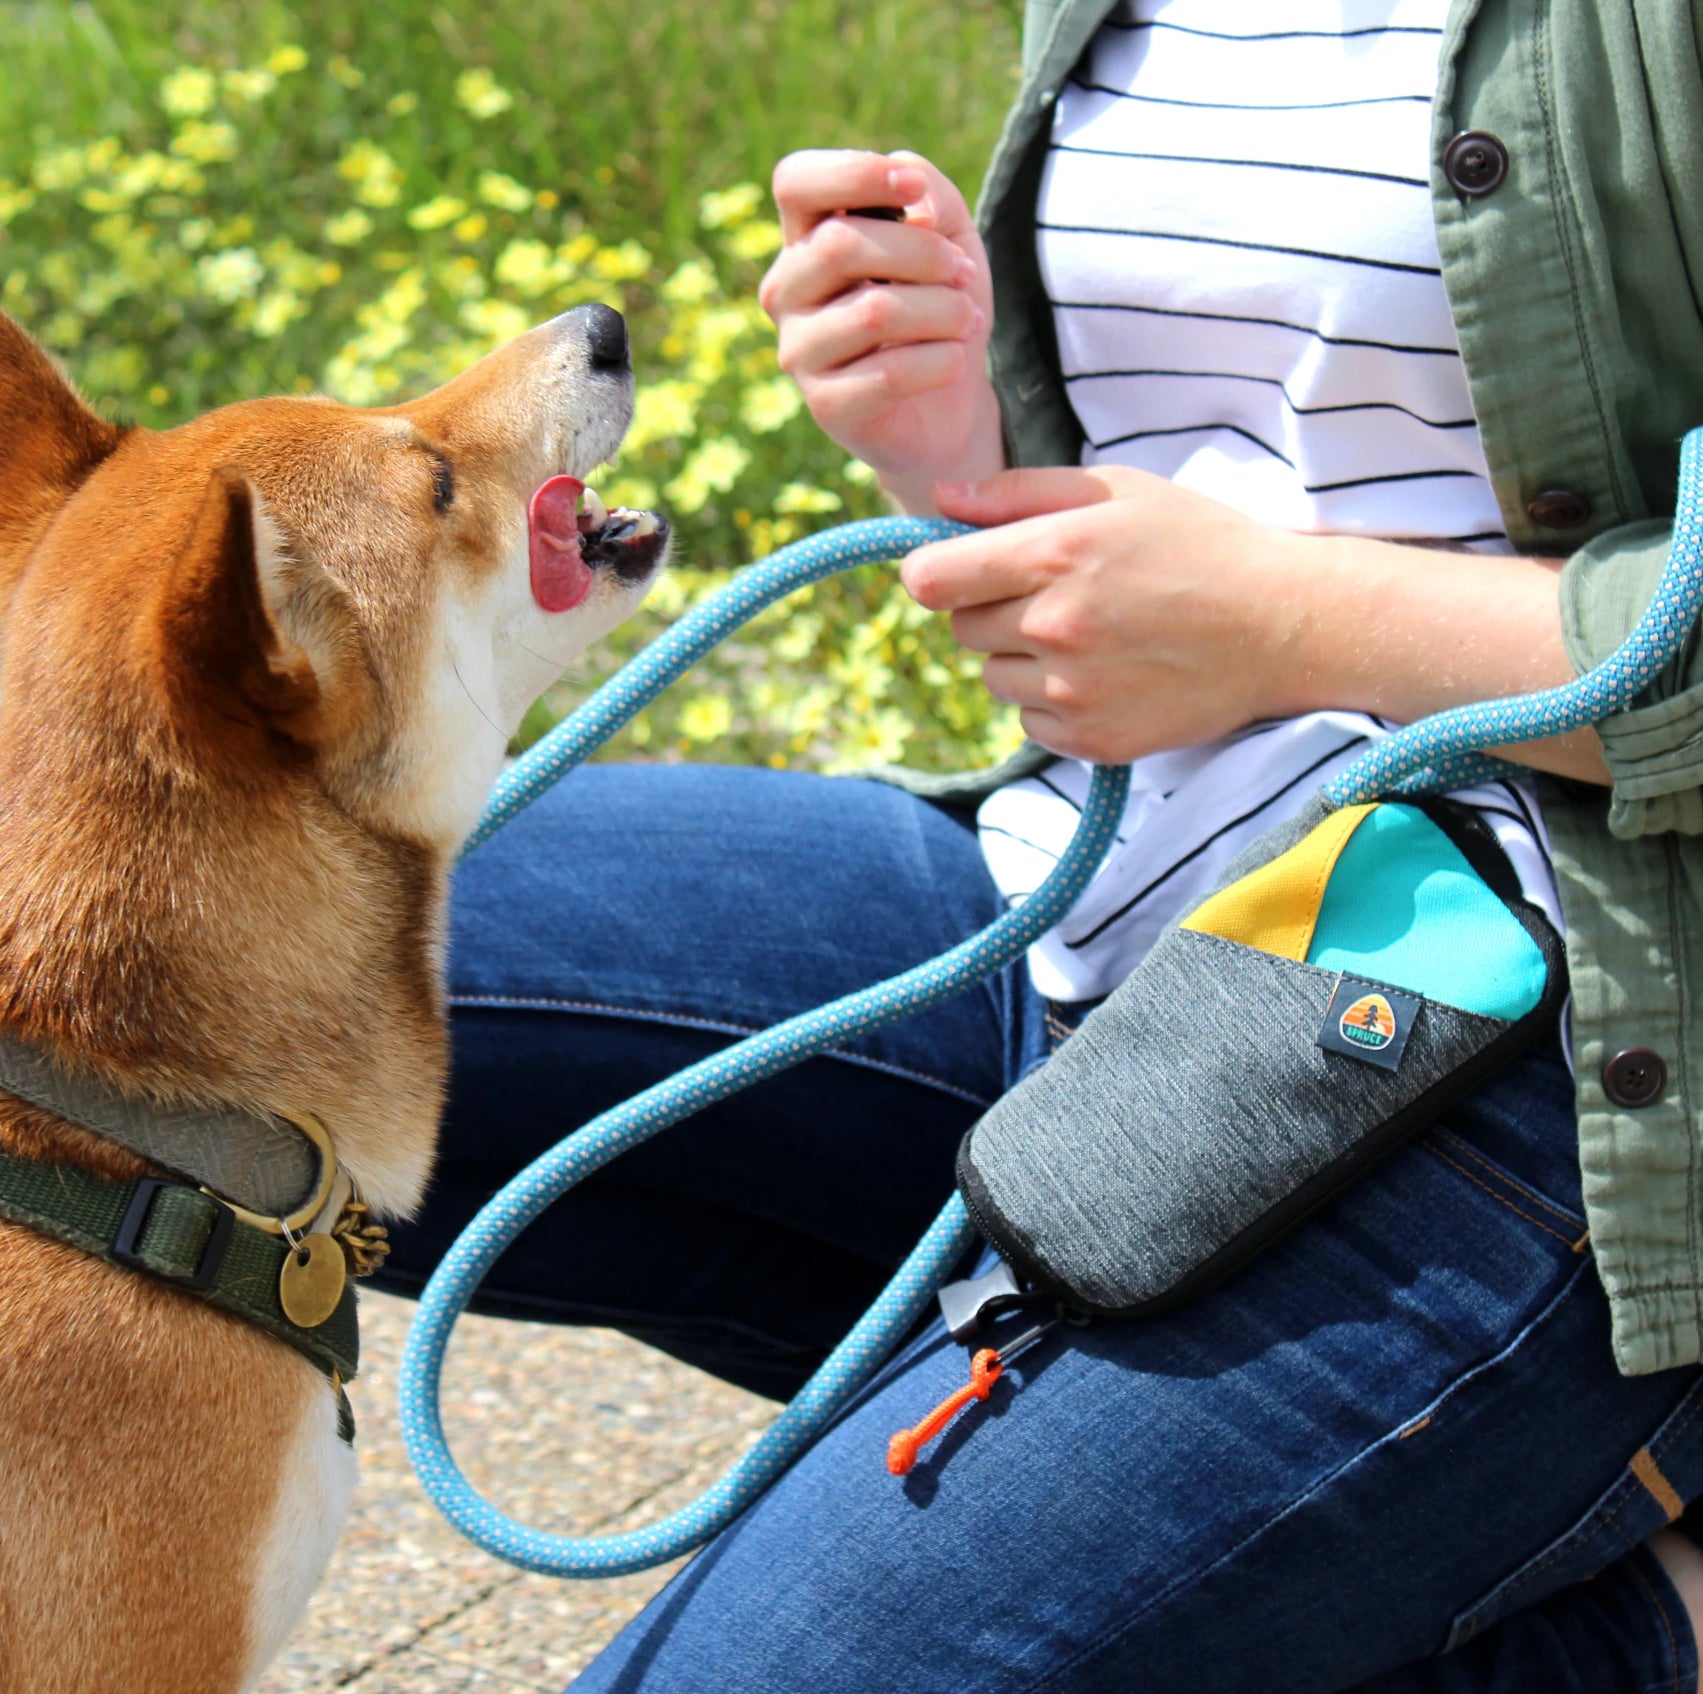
pixel 573 535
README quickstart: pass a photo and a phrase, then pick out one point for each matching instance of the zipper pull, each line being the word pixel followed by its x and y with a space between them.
pixel 986 1368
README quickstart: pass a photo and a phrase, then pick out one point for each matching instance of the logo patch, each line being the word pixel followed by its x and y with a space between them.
pixel 1368 1021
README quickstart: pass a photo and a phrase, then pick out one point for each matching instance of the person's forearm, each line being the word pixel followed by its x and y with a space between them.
pixel 1406 631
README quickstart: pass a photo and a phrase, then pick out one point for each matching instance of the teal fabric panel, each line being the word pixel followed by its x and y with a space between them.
pixel 1404 907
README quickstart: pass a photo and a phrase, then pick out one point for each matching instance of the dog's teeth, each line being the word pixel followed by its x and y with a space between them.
pixel 644 524
pixel 595 509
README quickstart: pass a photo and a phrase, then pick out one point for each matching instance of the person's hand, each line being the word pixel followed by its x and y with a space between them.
pixel 884 326
pixel 1121 613
pixel 1124 615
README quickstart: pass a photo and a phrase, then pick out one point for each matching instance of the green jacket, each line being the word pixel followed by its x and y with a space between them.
pixel 1574 286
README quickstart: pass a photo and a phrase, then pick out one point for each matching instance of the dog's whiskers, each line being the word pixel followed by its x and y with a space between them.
pixel 454 666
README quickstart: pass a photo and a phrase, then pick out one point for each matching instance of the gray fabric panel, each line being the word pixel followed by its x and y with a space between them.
pixel 262 1163
pixel 1185 1108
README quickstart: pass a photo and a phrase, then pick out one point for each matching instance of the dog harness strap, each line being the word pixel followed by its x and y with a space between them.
pixel 260 1162
pixel 180 1236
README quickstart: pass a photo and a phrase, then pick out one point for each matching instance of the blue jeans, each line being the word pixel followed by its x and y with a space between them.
pixel 1398 1434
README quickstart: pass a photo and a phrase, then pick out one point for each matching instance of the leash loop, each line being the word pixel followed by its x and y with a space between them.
pixel 548 1177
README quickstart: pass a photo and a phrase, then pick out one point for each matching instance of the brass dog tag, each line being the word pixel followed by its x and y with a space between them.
pixel 311 1282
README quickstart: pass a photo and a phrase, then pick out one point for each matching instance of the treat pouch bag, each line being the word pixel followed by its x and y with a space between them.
pixel 1354 972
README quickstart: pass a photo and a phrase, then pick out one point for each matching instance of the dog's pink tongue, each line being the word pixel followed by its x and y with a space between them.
pixel 560 576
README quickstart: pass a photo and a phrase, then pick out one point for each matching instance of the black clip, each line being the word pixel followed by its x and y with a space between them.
pixel 976 1300
pixel 136 1217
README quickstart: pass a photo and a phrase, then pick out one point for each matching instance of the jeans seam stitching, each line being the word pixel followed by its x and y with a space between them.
pixel 1667 1624
pixel 544 1002
pixel 1630 1489
pixel 1502 1199
pixel 1492 1171
pixel 1394 1435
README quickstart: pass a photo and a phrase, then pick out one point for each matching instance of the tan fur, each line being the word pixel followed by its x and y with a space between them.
pixel 254 684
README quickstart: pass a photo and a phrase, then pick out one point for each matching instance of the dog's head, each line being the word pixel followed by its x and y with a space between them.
pixel 376 593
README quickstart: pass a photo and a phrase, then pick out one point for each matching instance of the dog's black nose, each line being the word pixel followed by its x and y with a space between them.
pixel 605 336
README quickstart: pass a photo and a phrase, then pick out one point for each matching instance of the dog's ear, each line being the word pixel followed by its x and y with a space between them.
pixel 223 617
pixel 50 440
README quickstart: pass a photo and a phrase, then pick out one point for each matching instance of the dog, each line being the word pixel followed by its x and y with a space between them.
pixel 257 673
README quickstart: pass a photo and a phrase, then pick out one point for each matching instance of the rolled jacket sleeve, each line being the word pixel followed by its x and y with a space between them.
pixel 1654 748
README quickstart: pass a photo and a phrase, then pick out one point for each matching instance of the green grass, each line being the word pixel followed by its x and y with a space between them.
pixel 178 258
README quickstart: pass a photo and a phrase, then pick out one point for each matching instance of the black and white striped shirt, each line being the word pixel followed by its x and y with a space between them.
pixel 1236 238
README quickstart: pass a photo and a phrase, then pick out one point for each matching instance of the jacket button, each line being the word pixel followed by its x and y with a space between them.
pixel 1474 163
pixel 1559 508
pixel 1635 1078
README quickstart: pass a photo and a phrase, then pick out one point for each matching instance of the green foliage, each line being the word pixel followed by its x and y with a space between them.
pixel 217 202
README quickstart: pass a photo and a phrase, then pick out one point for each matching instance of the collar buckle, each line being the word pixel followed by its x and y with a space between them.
pixel 124 1248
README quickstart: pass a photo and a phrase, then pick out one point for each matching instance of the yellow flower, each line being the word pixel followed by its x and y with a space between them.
pixel 193 232
pixel 581 248
pixel 276 311
pixel 472 227
pixel 250 85
pixel 548 199
pixel 800 497
pixel 377 177
pixel 858 474
pixel 693 282
pixel 870 738
pixel 480 93
pixel 400 105
pixel 504 192
pixel 662 410
pixel 721 208
pixel 13 200
pixel 159 394
pixel 462 277
pixel 351 76
pixel 636 493
pixel 59 168
pixel 622 264
pixel 705 717
pixel 348 228
pixel 287 60
pixel 434 214
pixel 496 320
pixel 713 467
pixel 206 144
pixel 755 240
pixel 188 92
pixel 229 276
pixel 530 268
pixel 766 406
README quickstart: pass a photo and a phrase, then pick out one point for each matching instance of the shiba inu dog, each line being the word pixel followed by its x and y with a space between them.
pixel 256 676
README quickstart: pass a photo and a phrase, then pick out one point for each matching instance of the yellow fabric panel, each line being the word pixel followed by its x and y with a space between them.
pixel 1276 907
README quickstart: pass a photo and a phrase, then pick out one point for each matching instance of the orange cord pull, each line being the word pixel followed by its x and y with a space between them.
pixel 902 1450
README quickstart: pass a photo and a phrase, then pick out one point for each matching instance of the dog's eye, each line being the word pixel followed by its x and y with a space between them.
pixel 443 485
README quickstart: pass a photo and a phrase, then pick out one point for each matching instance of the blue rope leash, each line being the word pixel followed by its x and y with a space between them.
pixel 1440 752
pixel 547 1178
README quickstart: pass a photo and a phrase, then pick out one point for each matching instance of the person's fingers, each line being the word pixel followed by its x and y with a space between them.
pixel 870 317
pixel 840 252
pixel 842 401
pixel 976 570
pixel 940 205
pixel 1017 679
pixel 1030 492
pixel 812 185
pixel 994 628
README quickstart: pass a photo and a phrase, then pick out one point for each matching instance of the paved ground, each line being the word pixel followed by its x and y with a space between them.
pixel 571 1430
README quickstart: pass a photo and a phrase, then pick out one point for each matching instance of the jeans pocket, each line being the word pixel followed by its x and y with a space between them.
pixel 1645 1496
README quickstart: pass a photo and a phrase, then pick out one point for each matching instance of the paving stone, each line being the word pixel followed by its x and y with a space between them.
pixel 573 1430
